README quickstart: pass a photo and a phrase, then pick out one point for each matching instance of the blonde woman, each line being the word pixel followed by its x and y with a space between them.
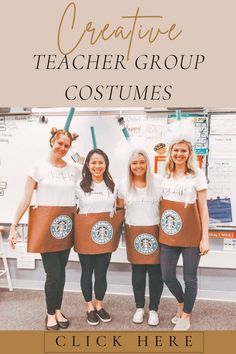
pixel 184 222
pixel 140 194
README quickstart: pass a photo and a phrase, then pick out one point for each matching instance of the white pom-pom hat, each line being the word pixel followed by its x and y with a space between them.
pixel 180 130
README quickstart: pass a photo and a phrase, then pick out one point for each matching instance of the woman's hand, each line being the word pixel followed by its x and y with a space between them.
pixel 30 185
pixel 120 203
pixel 12 237
pixel 204 247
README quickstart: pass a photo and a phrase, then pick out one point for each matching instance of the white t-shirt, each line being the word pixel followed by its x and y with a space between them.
pixel 184 189
pixel 141 209
pixel 100 200
pixel 56 185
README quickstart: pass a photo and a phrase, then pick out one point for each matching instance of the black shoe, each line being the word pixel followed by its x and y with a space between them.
pixel 92 318
pixel 51 328
pixel 103 315
pixel 63 324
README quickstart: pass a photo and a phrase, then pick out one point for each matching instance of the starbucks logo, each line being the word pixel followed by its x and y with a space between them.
pixel 145 244
pixel 102 232
pixel 61 227
pixel 171 222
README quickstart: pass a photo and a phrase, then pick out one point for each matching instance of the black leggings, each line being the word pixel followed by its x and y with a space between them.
pixel 169 259
pixel 139 272
pixel 54 265
pixel 97 263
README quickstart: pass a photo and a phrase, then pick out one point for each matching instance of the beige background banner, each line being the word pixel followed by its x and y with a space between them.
pixel 205 42
pixel 29 28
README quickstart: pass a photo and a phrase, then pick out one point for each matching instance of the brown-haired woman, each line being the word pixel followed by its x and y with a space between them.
pixel 50 223
pixel 94 244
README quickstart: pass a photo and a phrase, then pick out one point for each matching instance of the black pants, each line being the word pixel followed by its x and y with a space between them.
pixel 169 259
pixel 97 264
pixel 54 265
pixel 139 272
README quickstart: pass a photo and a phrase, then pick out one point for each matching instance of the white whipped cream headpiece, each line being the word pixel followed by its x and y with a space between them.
pixel 180 130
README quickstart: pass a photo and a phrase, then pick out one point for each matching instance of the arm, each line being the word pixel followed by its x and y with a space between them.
pixel 203 211
pixel 77 188
pixel 23 206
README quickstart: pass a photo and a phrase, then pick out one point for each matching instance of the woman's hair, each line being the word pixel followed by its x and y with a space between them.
pixel 190 163
pixel 86 182
pixel 57 132
pixel 130 175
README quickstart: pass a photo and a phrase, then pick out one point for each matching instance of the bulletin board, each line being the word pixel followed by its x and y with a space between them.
pixel 222 172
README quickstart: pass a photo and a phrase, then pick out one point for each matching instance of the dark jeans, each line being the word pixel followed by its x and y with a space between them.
pixel 54 265
pixel 97 263
pixel 191 258
pixel 139 272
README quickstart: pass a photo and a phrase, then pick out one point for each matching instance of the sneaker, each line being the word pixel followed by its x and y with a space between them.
pixel 103 315
pixel 182 325
pixel 138 316
pixel 92 318
pixel 153 318
pixel 178 315
pixel 175 319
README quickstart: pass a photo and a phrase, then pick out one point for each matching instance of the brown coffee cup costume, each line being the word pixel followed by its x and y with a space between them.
pixel 180 224
pixel 50 229
pixel 142 244
pixel 97 233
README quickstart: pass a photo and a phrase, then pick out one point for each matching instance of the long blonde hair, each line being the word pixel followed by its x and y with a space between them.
pixel 149 176
pixel 190 167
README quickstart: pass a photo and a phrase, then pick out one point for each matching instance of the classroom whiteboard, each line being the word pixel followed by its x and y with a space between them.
pixel 24 140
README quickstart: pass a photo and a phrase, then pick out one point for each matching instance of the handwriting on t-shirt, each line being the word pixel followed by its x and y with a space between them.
pixel 99 193
pixel 178 189
pixel 95 193
pixel 64 175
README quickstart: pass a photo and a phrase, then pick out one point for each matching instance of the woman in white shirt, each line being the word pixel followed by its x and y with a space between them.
pixel 96 232
pixel 140 194
pixel 184 224
pixel 50 222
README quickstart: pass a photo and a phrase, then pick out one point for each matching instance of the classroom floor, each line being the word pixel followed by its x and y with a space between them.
pixel 25 310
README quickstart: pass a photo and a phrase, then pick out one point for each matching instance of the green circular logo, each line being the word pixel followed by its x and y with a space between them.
pixel 61 227
pixel 102 232
pixel 171 222
pixel 145 244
